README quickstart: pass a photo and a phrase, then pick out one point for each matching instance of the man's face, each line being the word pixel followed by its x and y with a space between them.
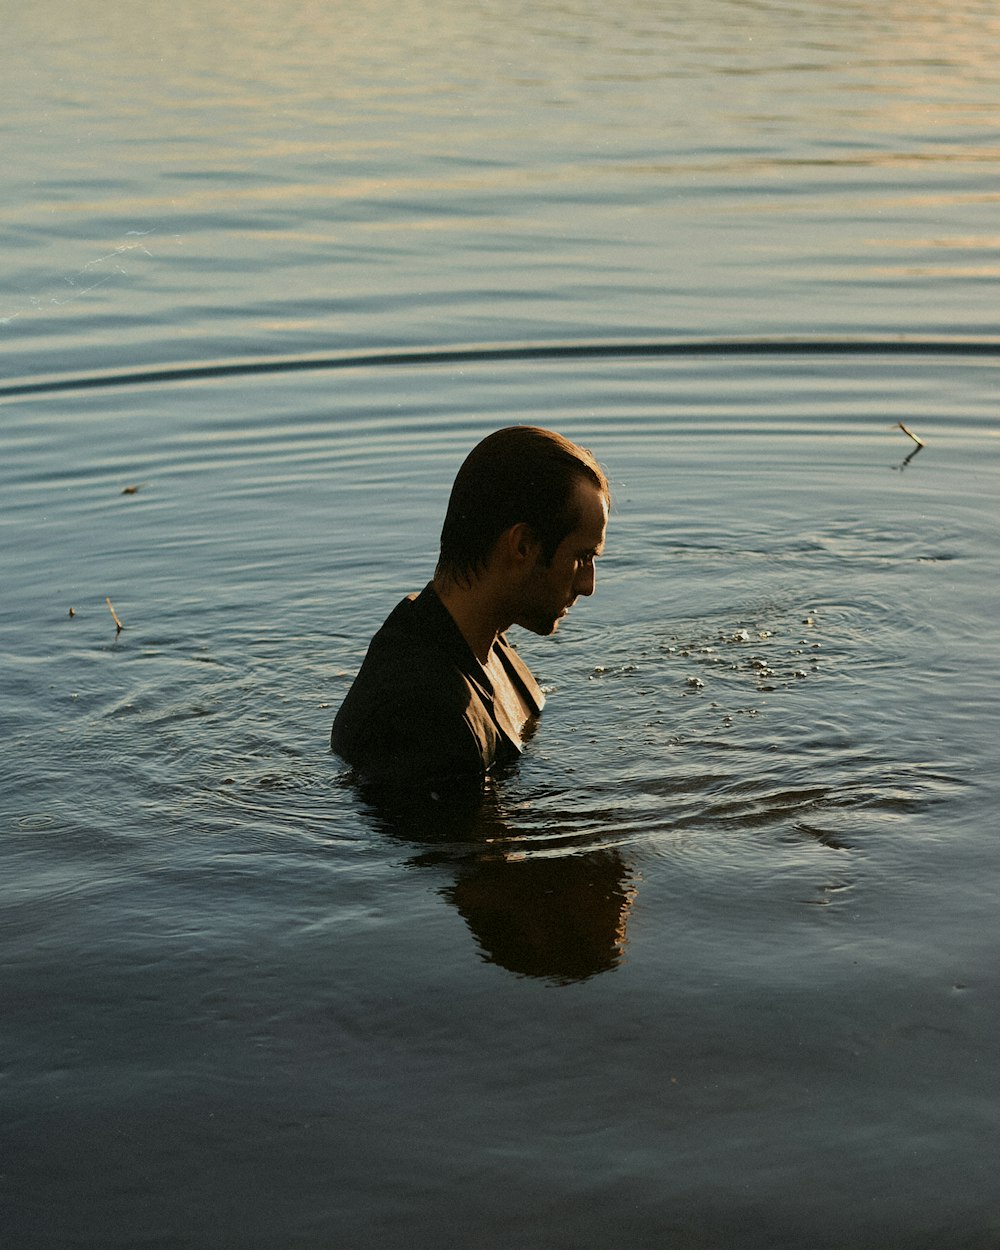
pixel 550 590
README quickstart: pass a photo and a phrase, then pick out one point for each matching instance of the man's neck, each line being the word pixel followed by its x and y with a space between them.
pixel 474 612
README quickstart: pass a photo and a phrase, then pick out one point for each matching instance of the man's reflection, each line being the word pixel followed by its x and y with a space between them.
pixel 562 918
pixel 534 908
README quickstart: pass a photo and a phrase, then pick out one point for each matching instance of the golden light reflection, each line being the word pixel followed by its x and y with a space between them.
pixel 936 271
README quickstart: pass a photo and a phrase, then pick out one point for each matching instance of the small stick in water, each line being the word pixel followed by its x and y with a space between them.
pixel 918 441
pixel 114 616
pixel 131 490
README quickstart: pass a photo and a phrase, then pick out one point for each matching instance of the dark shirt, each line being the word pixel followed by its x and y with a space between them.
pixel 422 709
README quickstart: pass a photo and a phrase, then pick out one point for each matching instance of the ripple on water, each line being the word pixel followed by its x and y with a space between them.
pixel 35 822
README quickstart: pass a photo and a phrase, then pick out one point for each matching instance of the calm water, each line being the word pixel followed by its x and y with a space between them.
pixel 717 966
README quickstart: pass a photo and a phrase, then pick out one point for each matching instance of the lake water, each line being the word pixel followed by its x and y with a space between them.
pixel 717 965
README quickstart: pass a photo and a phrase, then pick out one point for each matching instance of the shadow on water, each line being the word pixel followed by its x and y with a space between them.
pixel 537 905
pixel 898 468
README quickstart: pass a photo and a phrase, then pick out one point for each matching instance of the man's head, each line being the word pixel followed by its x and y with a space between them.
pixel 523 476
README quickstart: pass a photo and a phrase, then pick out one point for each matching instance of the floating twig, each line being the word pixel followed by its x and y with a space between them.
pixel 918 441
pixel 114 616
pixel 131 490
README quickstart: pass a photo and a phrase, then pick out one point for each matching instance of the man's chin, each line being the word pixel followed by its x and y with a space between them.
pixel 543 628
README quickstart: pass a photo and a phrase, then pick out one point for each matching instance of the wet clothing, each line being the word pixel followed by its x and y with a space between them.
pixel 421 710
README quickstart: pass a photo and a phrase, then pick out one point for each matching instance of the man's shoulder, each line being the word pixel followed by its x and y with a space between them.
pixel 420 643
pixel 414 706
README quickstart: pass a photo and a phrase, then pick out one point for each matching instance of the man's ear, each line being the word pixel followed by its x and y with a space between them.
pixel 521 546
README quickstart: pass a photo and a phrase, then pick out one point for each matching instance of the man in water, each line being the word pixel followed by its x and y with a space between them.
pixel 442 697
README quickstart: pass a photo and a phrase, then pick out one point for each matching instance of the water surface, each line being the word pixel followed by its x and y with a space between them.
pixel 716 965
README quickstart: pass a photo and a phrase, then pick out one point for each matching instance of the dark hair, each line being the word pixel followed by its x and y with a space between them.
pixel 519 474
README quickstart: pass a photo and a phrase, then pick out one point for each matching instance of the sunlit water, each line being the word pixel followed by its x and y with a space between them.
pixel 716 965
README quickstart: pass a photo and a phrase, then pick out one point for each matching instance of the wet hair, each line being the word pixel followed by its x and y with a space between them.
pixel 519 474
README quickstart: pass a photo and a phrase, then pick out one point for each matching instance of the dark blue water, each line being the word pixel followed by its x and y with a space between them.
pixel 716 966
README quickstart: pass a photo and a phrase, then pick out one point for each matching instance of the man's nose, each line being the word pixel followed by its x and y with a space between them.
pixel 586 580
